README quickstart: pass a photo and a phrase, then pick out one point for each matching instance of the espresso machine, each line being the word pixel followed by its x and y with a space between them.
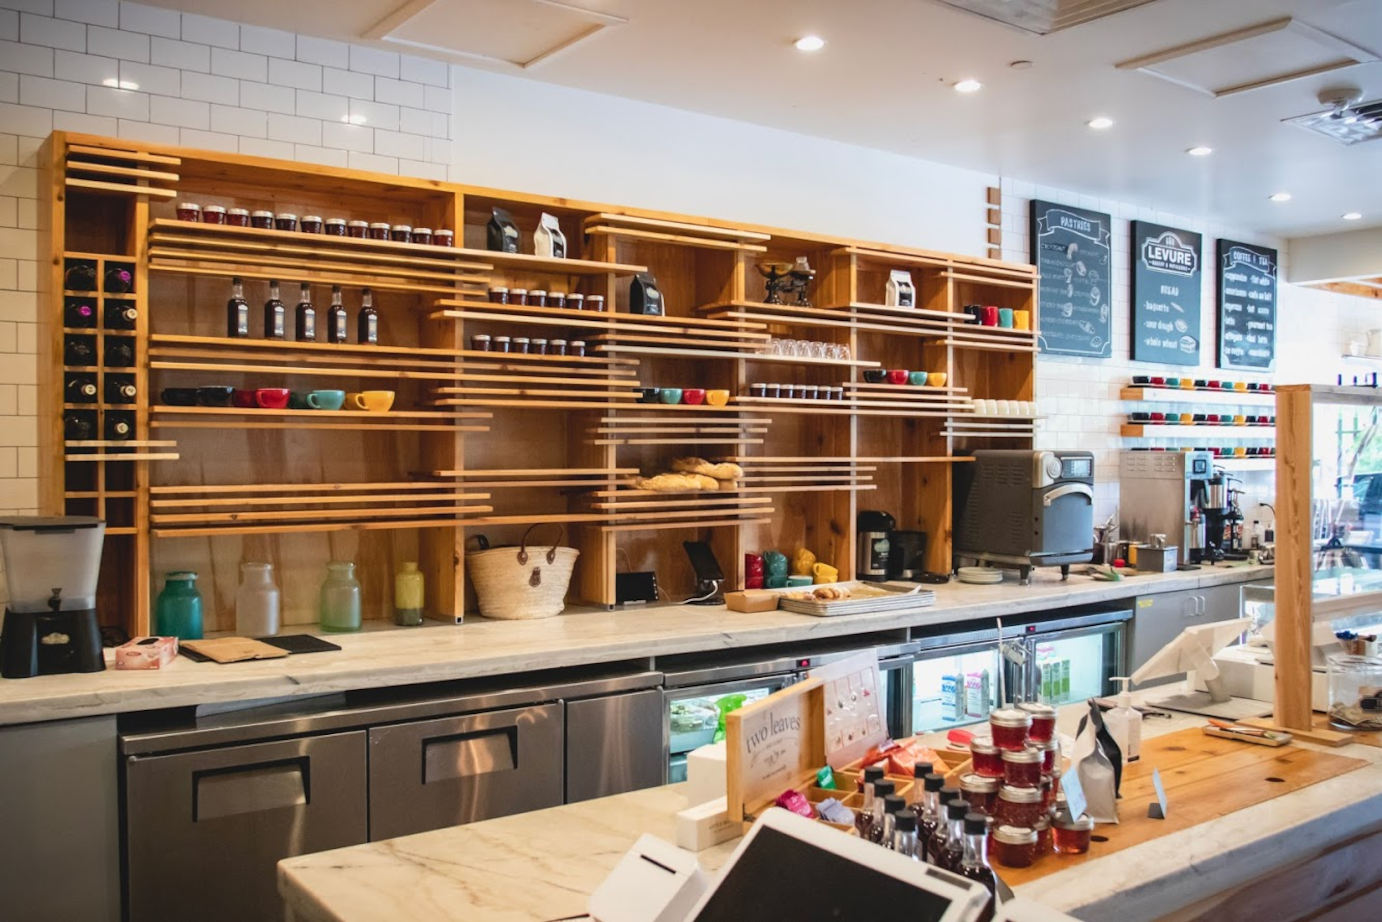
pixel 1158 492
pixel 51 568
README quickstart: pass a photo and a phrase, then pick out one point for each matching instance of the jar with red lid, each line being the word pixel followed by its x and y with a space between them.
pixel 357 229
pixel 264 220
pixel 1009 727
pixel 537 346
pixel 987 758
pixel 981 791
pixel 443 238
pixel 422 235
pixel 214 214
pixel 311 224
pixel 1049 751
pixel 1013 846
pixel 595 302
pixel 401 233
pixel 556 347
pixel 335 227
pixel 189 211
pixel 238 217
pixel 1070 835
pixel 518 296
pixel 499 295
pixel 537 297
pixel 576 347
pixel 575 301
pixel 556 299
pixel 520 345
pixel 1043 831
pixel 379 230
pixel 1019 806
pixel 1022 767
pixel 1043 720
pixel 286 221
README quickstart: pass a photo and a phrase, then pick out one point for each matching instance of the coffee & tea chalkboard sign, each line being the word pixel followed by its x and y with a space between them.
pixel 1247 306
pixel 1166 277
pixel 1070 247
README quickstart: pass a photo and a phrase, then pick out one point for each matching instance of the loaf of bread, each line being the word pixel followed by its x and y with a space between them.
pixel 725 470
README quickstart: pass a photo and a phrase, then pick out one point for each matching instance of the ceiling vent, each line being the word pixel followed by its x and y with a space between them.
pixel 1351 124
pixel 1044 16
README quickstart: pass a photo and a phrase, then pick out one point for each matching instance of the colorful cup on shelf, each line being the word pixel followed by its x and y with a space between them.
pixel 1213 419
pixel 875 375
pixel 1173 418
pixel 917 378
pixel 1141 380
pixel 1158 416
pixel 669 395
pixel 1239 419
pixel 179 396
pixel 1005 317
pixel 327 399
pixel 1173 382
pixel 897 376
pixel 271 398
pixel 1200 418
pixel 693 396
pixel 243 398
pixel 937 378
pixel 1141 416
pixel 1157 381
pixel 370 401
pixel 1201 384
pixel 1187 384
pixel 1240 385
pixel 717 397
pixel 796 581
pixel 647 395
pixel 989 315
pixel 1022 320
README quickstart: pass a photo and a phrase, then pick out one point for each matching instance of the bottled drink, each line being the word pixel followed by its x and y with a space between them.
pixel 79 425
pixel 120 388
pixel 78 312
pixel 337 321
pixel 80 389
pixel 305 329
pixel 882 790
pixel 928 811
pixel 80 276
pixel 974 861
pixel 119 425
pixel 121 315
pixel 935 842
pixel 863 820
pixel 893 804
pixel 367 323
pixel 905 835
pixel 79 350
pixel 952 854
pixel 119 353
pixel 237 311
pixel 919 772
pixel 273 314
pixel 119 280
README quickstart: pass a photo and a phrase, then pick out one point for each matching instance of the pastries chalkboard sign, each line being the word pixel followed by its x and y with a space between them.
pixel 1247 306
pixel 1070 247
pixel 1166 276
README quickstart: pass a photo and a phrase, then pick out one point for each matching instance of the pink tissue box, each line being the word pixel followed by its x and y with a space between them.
pixel 146 653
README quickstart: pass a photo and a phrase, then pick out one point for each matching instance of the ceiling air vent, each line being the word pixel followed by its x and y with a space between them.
pixel 1044 16
pixel 1350 124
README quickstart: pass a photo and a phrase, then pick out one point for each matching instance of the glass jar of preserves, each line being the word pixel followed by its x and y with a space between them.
pixel 286 221
pixel 401 233
pixel 556 299
pixel 263 220
pixel 502 344
pixel 981 791
pixel 1013 846
pixel 518 296
pixel 595 302
pixel 480 342
pixel 311 224
pixel 335 227
pixel 214 214
pixel 238 217
pixel 499 295
pixel 1022 767
pixel 556 347
pixel 1019 806
pixel 537 297
pixel 520 345
pixel 1070 835
pixel 189 211
pixel 576 347
pixel 575 301
pixel 379 230
pixel 1009 727
pixel 1043 720
pixel 443 238
pixel 537 346
pixel 357 229
pixel 1355 691
pixel 422 235
pixel 1043 831
pixel 1049 751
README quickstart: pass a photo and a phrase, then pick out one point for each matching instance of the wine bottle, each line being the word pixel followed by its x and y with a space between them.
pixel 273 314
pixel 119 280
pixel 119 425
pixel 121 315
pixel 79 350
pixel 337 321
pixel 80 276
pixel 78 312
pixel 119 352
pixel 81 389
pixel 367 323
pixel 237 311
pixel 120 388
pixel 78 425
pixel 306 326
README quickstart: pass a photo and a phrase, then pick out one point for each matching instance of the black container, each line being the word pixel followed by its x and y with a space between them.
pixel 644 296
pixel 119 352
pixel 275 315
pixel 119 279
pixel 367 321
pixel 501 234
pixel 79 425
pixel 237 312
pixel 79 275
pixel 305 318
pixel 906 554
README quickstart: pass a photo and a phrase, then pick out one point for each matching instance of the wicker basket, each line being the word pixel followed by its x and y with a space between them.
pixel 514 584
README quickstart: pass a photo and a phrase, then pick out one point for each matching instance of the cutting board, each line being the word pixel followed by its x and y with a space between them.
pixel 1205 778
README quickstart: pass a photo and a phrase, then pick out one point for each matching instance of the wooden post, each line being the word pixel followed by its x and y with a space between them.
pixel 1294 557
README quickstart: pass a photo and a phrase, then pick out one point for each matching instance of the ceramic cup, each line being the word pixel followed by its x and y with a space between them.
pixel 897 376
pixel 795 581
pixel 647 395
pixel 1240 420
pixel 326 400
pixel 1022 320
pixel 989 315
pixel 179 396
pixel 875 375
pixel 297 400
pixel 371 401
pixel 243 398
pixel 717 397
pixel 824 573
pixel 693 396
pixel 1005 408
pixel 669 395
pixel 214 396
pixel 937 378
pixel 1142 379
pixel 917 379
pixel 272 398
pixel 1005 317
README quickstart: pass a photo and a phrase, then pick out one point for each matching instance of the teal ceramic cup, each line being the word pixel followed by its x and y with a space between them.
pixel 669 395
pixel 917 379
pixel 326 400
pixel 1005 317
pixel 798 581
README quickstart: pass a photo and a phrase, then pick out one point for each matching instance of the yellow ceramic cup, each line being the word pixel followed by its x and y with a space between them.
pixel 717 398
pixel 824 573
pixel 936 379
pixel 1240 419
pixel 1022 320
pixel 371 401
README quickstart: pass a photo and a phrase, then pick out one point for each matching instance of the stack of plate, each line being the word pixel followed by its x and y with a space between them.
pixel 980 575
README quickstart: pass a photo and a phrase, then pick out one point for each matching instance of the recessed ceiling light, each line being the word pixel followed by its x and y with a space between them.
pixel 1352 215
pixel 1199 151
pixel 120 84
pixel 1279 197
pixel 1100 123
pixel 968 85
pixel 353 119
pixel 810 43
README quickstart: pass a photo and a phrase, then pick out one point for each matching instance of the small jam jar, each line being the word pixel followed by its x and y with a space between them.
pixel 401 233
pixel 311 224
pixel 772 389
pixel 286 221
pixel 537 346
pixel 480 342
pixel 556 299
pixel 556 347
pixel 577 347
pixel 575 301
pixel 595 302
pixel 499 295
pixel 1022 767
pixel 1071 835
pixel 537 297
pixel 761 390
pixel 518 296
pixel 981 791
pixel 1013 846
pixel 1043 720
pixel 379 231
pixel 238 217
pixel 214 214
pixel 335 227
pixel 357 229
pixel 1050 752
pixel 189 211
pixel 837 393
pixel 1018 806
pixel 520 345
pixel 807 391
pixel 264 220
pixel 1043 831
pixel 443 238
pixel 1009 726
pixel 501 344
pixel 422 235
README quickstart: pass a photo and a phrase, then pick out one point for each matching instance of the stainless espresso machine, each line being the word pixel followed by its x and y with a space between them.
pixel 1158 492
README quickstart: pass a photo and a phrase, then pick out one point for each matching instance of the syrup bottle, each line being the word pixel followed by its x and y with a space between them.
pixel 337 321
pixel 274 314
pixel 893 804
pixel 974 862
pixel 928 812
pixel 306 327
pixel 882 790
pixel 952 854
pixel 367 323
pixel 905 835
pixel 237 311
pixel 935 842
pixel 863 820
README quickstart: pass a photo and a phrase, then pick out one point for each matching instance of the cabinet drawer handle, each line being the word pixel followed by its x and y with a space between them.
pixel 252 788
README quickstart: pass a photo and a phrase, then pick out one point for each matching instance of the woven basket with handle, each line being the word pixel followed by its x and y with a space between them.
pixel 519 583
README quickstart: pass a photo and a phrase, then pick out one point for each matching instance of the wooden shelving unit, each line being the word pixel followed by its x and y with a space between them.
pixel 1220 398
pixel 484 442
pixel 1151 430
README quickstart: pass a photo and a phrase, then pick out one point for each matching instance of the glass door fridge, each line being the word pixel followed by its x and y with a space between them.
pixel 1075 655
pixel 954 677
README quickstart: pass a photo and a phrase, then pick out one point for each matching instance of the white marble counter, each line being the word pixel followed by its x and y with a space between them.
pixel 487 648
pixel 542 865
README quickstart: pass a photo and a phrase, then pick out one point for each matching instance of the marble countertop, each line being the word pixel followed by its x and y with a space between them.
pixel 481 648
pixel 541 866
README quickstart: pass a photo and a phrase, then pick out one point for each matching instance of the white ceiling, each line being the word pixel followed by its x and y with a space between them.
pixel 883 80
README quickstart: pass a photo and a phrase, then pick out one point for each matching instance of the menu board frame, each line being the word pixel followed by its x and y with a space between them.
pixel 1167 277
pixel 1073 254
pixel 1233 299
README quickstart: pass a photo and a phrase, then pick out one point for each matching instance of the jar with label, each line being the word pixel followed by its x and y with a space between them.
pixel 379 230
pixel 502 344
pixel 422 235
pixel 1019 806
pixel 238 217
pixel 981 791
pixel 1043 720
pixel 286 221
pixel 1009 727
pixel 340 598
pixel 518 296
pixel 178 610
pixel 357 229
pixel 263 220
pixel 401 233
pixel 480 342
pixel 311 224
pixel 987 758
pixel 214 214
pixel 575 301
pixel 1355 691
pixel 1022 767
pixel 537 297
pixel 520 345
pixel 595 302
pixel 335 227
pixel 1070 835
pixel 537 346
pixel 499 295
pixel 576 347
pixel 556 347
pixel 1013 846
pixel 443 238
pixel 556 299
pixel 189 211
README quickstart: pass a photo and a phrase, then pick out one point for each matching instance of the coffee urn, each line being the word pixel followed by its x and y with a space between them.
pixel 871 560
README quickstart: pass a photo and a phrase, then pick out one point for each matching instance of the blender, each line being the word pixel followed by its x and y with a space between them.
pixel 51 567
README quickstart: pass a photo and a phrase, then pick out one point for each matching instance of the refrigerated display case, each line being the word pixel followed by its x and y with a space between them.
pixel 695 698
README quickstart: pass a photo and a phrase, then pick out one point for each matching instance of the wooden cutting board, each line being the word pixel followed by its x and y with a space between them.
pixel 1205 778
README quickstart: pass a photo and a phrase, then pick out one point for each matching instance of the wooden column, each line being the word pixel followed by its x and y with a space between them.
pixel 1294 557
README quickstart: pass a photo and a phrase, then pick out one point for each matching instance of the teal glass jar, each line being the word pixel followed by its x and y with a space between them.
pixel 340 598
pixel 178 611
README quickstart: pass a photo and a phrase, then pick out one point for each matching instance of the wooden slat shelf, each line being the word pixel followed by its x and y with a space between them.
pixel 96 185
pixel 705 243
pixel 989 346
pixel 1218 398
pixel 623 324
pixel 545 266
pixel 1161 430
pixel 810 360
pixel 869 256
pixel 249 270
pixel 206 531
pixel 669 525
pixel 506 361
pixel 325 244
pixel 172 417
pixel 681 227
pixel 116 153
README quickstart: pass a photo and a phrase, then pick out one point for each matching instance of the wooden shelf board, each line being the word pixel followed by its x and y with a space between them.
pixel 810 360
pixel 990 347
pixel 211 531
pixel 1212 398
pixel 709 230
pixel 507 359
pixel 322 278
pixel 517 472
pixel 124 188
pixel 686 240
pixel 667 526
pixel 919 459
pixel 540 264
pixel 164 409
pixel 346 245
pixel 113 153
pixel 223 489
pixel 204 502
pixel 1160 430
pixel 315 426
pixel 617 321
pixel 115 456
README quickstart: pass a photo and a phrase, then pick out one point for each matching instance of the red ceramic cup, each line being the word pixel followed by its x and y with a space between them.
pixel 897 376
pixel 1158 417
pixel 1158 381
pixel 989 315
pixel 272 398
pixel 1213 418
pixel 243 398
pixel 693 396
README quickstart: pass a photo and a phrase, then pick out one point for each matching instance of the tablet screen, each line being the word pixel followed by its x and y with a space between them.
pixel 782 877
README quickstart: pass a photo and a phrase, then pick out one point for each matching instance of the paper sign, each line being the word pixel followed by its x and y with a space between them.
pixel 1074 794
pixel 1157 811
pixel 854 719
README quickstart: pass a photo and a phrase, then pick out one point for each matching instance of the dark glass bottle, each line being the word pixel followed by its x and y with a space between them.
pixel 337 321
pixel 119 280
pixel 882 789
pixel 79 425
pixel 119 352
pixel 367 323
pixel 274 311
pixel 905 835
pixel 121 315
pixel 886 824
pixel 951 854
pixel 120 388
pixel 80 389
pixel 863 820
pixel 119 425
pixel 935 842
pixel 919 772
pixel 78 312
pixel 79 350
pixel 974 861
pixel 305 327
pixel 80 276
pixel 237 311
pixel 928 816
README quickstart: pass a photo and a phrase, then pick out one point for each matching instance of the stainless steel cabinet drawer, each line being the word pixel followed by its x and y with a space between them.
pixel 432 773
pixel 205 829
pixel 613 744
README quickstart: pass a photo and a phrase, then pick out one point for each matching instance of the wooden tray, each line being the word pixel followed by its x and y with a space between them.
pixel 867 599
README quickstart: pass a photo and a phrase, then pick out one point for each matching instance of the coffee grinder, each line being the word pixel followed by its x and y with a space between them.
pixel 51 567
pixel 1223 520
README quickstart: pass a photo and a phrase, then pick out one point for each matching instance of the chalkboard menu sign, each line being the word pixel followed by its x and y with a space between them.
pixel 1070 247
pixel 1166 277
pixel 1247 306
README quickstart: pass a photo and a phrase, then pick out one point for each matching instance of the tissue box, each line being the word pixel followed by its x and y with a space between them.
pixel 705 773
pixel 146 653
pixel 706 824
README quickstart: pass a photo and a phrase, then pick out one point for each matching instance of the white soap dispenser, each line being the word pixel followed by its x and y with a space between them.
pixel 1124 723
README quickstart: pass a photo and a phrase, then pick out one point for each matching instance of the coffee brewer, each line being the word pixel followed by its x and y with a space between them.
pixel 51 568
pixel 1217 502
pixel 1158 490
pixel 874 530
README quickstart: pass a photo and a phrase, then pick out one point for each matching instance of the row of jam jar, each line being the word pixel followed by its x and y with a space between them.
pixel 313 224
pixel 539 297
pixel 1025 822
pixel 523 345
